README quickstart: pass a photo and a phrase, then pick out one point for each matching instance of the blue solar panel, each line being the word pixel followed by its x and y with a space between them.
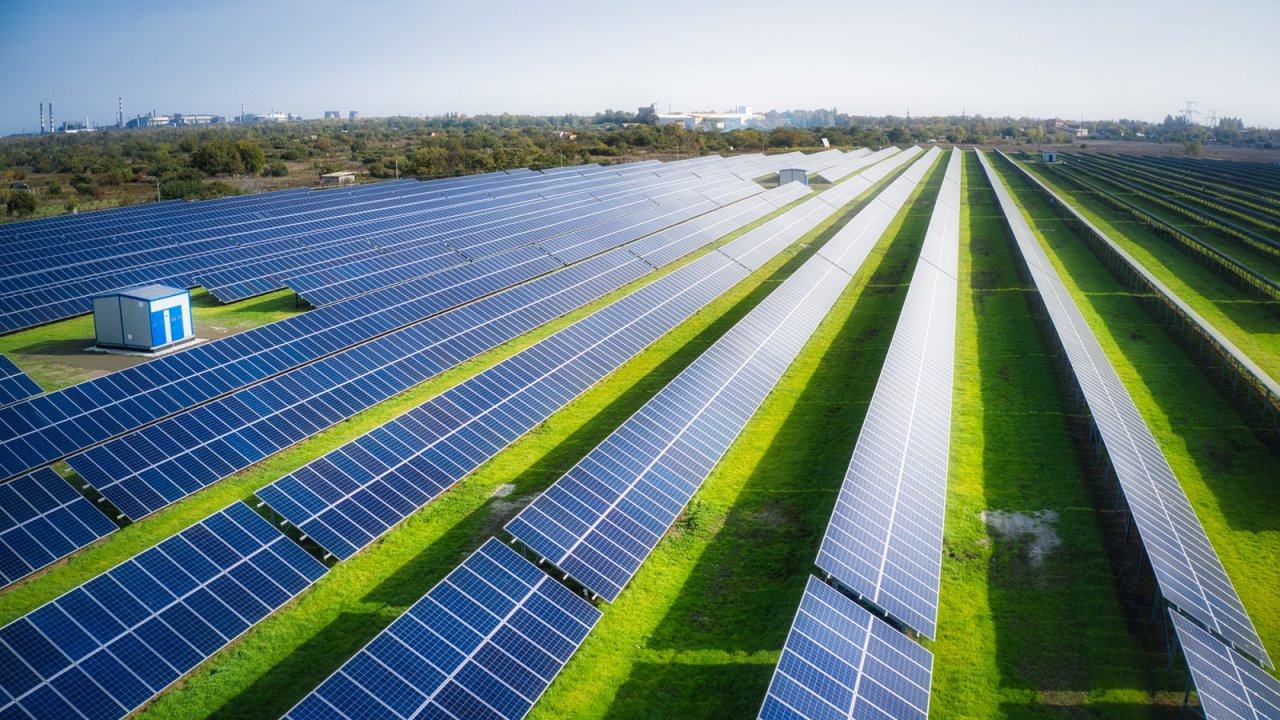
pixel 1190 575
pixel 42 519
pixel 884 541
pixel 110 645
pixel 349 497
pixel 1228 686
pixel 842 662
pixel 14 384
pixel 601 520
pixel 483 643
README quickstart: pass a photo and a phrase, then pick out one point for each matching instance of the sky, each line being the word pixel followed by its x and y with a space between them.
pixel 1085 59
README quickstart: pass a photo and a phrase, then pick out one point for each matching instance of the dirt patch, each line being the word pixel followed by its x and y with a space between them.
pixel 1040 528
pixel 503 490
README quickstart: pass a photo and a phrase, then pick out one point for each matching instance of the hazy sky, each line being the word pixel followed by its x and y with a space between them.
pixel 1001 57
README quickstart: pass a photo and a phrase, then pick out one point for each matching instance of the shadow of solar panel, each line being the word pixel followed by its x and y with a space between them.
pixel 483 643
pixel 1187 568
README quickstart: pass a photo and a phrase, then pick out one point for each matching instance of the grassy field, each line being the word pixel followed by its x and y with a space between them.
pixel 1244 319
pixel 1228 475
pixel 698 631
pixel 1030 625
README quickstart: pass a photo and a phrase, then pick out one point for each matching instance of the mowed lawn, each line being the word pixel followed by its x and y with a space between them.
pixel 1229 476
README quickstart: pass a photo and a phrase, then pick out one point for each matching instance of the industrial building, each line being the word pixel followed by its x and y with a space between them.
pixel 741 117
pixel 144 318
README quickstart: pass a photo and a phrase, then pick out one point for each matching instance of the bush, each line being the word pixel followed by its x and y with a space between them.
pixel 53 187
pixel 276 168
pixel 216 189
pixel 82 183
pixel 21 202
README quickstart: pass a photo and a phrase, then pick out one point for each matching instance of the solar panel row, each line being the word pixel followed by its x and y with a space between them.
pixel 601 520
pixel 349 497
pixel 43 519
pixel 884 541
pixel 108 646
pixel 60 423
pixel 14 384
pixel 1228 686
pixel 482 644
pixel 842 662
pixel 143 471
pixel 1190 575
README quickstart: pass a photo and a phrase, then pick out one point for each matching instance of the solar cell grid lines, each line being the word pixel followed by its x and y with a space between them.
pixel 1228 686
pixel 110 645
pixel 884 541
pixel 483 643
pixel 841 662
pixel 43 519
pixel 601 520
pixel 1190 575
pixel 14 384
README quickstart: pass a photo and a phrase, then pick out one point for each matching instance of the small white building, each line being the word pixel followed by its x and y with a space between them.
pixel 143 318
pixel 1049 156
pixel 342 177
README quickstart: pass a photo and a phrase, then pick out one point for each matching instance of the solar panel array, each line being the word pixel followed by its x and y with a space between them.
pixel 43 519
pixel 1229 686
pixel 145 470
pixel 842 662
pixel 349 497
pixel 1189 573
pixel 884 541
pixel 108 646
pixel 483 643
pixel 14 384
pixel 602 519
pixel 55 425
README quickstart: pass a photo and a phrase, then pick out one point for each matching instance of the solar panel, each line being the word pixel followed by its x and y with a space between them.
pixel 1190 575
pixel 842 662
pixel 110 645
pixel 884 541
pixel 14 384
pixel 349 497
pixel 43 519
pixel 1229 686
pixel 601 520
pixel 483 643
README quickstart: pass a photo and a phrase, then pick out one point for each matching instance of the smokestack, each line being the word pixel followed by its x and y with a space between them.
pixel 41 118
pixel 120 113
pixel 52 127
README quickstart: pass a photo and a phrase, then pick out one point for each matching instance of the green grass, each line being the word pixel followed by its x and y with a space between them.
pixel 1019 638
pixel 698 631
pixel 54 355
pixel 1228 475
pixel 1245 320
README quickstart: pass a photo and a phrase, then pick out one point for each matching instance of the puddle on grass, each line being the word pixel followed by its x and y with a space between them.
pixel 1041 526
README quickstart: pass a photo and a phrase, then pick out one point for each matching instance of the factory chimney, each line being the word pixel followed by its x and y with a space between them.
pixel 52 127
pixel 41 118
pixel 120 112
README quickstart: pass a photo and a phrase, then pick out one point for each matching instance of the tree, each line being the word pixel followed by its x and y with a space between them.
pixel 217 157
pixel 21 202
pixel 1193 148
pixel 251 156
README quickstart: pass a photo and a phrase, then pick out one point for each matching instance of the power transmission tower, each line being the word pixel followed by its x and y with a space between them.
pixel 1213 118
pixel 1190 111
